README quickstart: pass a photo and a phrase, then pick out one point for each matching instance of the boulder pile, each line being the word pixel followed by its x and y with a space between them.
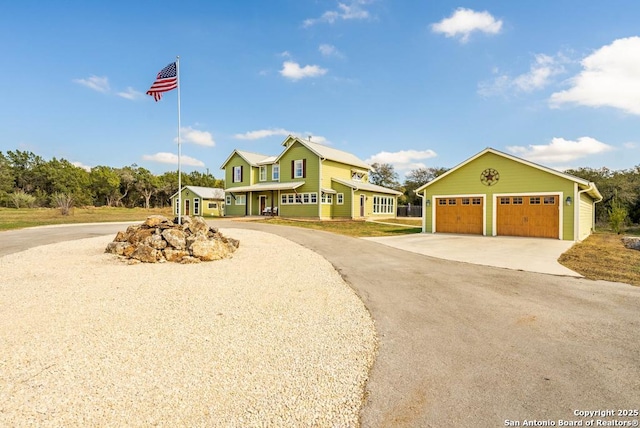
pixel 159 239
pixel 631 242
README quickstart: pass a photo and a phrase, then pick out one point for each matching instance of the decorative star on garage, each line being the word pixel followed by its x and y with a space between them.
pixel 489 177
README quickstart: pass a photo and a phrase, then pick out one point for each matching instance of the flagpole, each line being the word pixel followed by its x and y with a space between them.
pixel 179 146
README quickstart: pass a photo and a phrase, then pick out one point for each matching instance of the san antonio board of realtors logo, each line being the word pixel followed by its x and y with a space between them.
pixel 489 177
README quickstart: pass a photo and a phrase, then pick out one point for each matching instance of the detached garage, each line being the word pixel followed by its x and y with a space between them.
pixel 494 193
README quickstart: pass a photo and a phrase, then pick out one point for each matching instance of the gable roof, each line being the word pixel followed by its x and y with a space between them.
pixel 251 158
pixel 584 184
pixel 204 192
pixel 325 152
pixel 359 185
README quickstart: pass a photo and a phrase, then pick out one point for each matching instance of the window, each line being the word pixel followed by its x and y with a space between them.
pixel 466 201
pixel 534 200
pixel 357 176
pixel 241 200
pixel 452 201
pixel 275 172
pixel 476 201
pixel 340 198
pixel 228 199
pixel 263 173
pixel 299 198
pixel 327 198
pixel 549 200
pixel 176 208
pixel 196 206
pixel 298 168
pixel 383 205
pixel 517 200
pixel 505 201
pixel 237 174
pixel 213 205
pixel 442 202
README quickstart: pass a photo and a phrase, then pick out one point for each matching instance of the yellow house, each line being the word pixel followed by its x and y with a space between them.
pixel 306 180
pixel 200 201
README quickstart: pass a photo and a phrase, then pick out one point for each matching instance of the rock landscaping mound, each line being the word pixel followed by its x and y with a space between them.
pixel 631 242
pixel 159 239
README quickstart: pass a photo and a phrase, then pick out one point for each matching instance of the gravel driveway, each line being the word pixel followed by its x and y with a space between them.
pixel 272 337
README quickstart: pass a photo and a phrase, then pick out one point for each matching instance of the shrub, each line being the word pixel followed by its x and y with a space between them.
pixel 63 201
pixel 20 199
pixel 617 217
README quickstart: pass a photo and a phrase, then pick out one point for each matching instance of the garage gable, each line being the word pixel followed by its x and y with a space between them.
pixel 519 198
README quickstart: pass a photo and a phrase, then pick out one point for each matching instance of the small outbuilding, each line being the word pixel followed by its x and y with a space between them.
pixel 200 201
pixel 497 194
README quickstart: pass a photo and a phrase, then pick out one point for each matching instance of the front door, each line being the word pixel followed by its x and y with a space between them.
pixel 187 207
pixel 263 204
pixel 362 201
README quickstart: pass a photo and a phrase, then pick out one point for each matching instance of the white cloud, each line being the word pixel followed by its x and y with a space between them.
pixel 561 150
pixel 403 160
pixel 100 84
pixel 262 133
pixel 463 22
pixel 329 51
pixel 171 158
pixel 345 12
pixel 265 133
pixel 81 165
pixel 610 78
pixel 131 94
pixel 201 138
pixel 292 70
pixel 630 145
pixel 540 74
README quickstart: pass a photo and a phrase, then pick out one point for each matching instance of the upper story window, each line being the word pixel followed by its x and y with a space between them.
pixel 275 172
pixel 237 174
pixel 263 173
pixel 358 176
pixel 298 168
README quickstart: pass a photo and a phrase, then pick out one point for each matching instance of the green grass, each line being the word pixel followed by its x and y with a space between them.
pixel 349 228
pixel 11 218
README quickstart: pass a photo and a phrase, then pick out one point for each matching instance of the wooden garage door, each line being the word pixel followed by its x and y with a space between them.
pixel 459 215
pixel 535 216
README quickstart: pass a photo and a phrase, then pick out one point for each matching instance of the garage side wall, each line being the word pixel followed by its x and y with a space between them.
pixel 586 216
pixel 515 178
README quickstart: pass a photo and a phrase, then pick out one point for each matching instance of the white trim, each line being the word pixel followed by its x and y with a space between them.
pixel 473 195
pixel 196 211
pixel 260 169
pixel 273 168
pixel 560 195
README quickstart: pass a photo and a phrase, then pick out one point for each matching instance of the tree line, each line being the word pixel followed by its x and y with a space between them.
pixel 28 180
pixel 620 189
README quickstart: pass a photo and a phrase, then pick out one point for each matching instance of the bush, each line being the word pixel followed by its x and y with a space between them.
pixel 62 201
pixel 20 199
pixel 617 217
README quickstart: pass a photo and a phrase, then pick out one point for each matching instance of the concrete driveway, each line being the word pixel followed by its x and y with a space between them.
pixel 465 345
pixel 527 254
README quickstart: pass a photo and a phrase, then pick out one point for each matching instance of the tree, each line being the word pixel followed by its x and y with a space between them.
pixel 105 185
pixel 384 175
pixel 62 177
pixel 146 184
pixel 7 179
pixel 417 178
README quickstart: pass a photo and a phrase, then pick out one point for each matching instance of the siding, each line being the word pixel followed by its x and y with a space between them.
pixel 344 210
pixel 237 160
pixel 515 178
pixel 586 216
pixel 312 180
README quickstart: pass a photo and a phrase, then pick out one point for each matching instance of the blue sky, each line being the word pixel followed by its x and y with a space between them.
pixel 412 83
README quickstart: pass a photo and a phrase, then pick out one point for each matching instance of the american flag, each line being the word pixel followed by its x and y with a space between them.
pixel 167 80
